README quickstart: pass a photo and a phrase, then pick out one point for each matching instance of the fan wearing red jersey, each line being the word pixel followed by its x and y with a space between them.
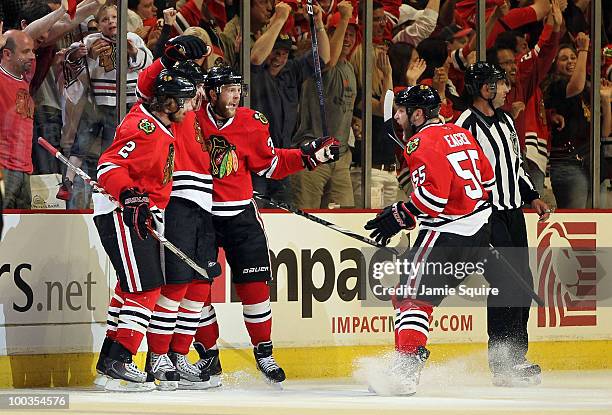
pixel 451 179
pixel 137 170
pixel 239 144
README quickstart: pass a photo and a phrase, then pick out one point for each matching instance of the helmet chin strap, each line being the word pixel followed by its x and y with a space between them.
pixel 490 100
pixel 417 128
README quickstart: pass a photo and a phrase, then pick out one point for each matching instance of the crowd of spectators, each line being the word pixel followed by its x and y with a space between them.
pixel 58 68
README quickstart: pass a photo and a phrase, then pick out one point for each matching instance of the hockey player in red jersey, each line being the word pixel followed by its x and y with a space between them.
pixel 239 143
pixel 451 179
pixel 137 170
pixel 188 221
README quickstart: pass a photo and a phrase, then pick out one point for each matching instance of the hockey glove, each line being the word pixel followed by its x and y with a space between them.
pixel 390 221
pixel 320 151
pixel 183 48
pixel 136 213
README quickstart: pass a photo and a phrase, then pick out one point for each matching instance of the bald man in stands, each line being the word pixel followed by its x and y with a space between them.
pixel 17 65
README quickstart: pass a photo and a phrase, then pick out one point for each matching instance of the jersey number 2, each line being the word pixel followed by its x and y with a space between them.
pixel 466 174
pixel 127 149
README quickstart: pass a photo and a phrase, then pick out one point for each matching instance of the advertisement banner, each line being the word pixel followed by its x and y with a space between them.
pixel 56 280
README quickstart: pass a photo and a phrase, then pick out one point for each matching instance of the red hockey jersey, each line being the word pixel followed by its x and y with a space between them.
pixel 141 156
pixel 451 177
pixel 240 147
pixel 191 179
pixel 16 122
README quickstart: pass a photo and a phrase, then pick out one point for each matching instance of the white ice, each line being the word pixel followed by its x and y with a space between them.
pixel 445 390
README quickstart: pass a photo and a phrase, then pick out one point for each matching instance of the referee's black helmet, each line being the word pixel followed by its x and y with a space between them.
pixel 483 73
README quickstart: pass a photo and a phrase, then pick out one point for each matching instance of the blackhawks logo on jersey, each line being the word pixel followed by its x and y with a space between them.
pixel 107 59
pixel 260 117
pixel 169 167
pixel 199 135
pixel 223 158
pixel 147 126
pixel 412 145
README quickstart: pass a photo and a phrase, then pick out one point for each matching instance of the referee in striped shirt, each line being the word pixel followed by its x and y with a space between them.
pixel 508 312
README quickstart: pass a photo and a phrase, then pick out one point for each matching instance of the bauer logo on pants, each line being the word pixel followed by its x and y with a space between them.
pixel 566 266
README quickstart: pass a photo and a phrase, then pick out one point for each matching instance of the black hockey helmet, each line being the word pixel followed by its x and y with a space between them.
pixel 420 96
pixel 191 71
pixel 174 84
pixel 483 73
pixel 218 76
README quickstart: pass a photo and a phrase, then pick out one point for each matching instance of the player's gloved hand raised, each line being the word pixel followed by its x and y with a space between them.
pixel 182 48
pixel 390 221
pixel 320 151
pixel 136 213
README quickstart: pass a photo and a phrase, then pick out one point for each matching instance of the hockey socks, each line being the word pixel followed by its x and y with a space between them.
pixel 208 329
pixel 255 297
pixel 163 319
pixel 134 317
pixel 411 324
pixel 189 315
pixel 112 316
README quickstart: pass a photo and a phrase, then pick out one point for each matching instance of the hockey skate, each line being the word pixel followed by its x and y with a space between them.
pixel 266 364
pixel 191 376
pixel 123 375
pixel 403 374
pixel 165 375
pixel 520 375
pixel 101 378
pixel 209 363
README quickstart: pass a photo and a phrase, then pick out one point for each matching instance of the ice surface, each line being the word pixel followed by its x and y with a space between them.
pixel 452 388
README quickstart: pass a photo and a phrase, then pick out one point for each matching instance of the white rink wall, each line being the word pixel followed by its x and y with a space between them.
pixel 55 282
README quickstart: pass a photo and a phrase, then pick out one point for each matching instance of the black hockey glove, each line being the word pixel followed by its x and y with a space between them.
pixel 136 213
pixel 390 221
pixel 183 48
pixel 320 151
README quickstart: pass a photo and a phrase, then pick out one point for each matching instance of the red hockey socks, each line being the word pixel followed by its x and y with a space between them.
pixel 208 329
pixel 411 324
pixel 188 318
pixel 255 297
pixel 134 318
pixel 163 319
pixel 112 316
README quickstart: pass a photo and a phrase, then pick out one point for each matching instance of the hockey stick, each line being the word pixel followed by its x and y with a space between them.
pixel 390 131
pixel 162 240
pixel 317 67
pixel 388 118
pixel 286 207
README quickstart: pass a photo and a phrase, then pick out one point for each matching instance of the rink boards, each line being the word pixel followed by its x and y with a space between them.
pixel 55 282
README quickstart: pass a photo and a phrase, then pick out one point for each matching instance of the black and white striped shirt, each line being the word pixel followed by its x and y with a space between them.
pixel 499 141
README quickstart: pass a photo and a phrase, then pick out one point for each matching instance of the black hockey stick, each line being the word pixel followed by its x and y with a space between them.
pixel 162 240
pixel 286 207
pixel 390 131
pixel 317 67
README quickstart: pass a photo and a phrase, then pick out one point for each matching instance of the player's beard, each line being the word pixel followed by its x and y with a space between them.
pixel 177 116
pixel 222 109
